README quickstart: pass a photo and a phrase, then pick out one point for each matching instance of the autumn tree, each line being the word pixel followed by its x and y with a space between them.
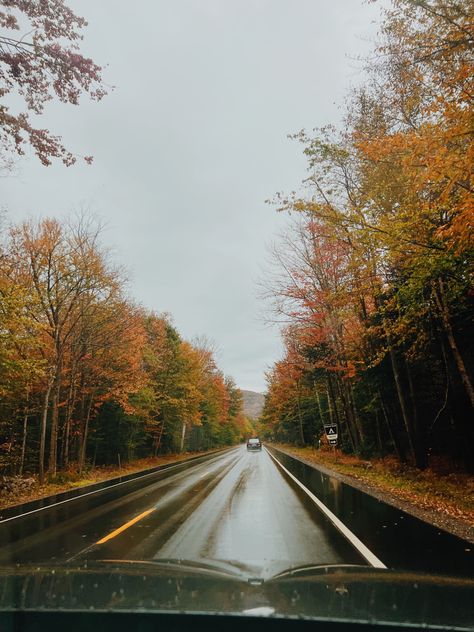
pixel 21 368
pixel 86 376
pixel 40 60
pixel 391 188
pixel 424 88
pixel 68 281
pixel 316 288
pixel 110 341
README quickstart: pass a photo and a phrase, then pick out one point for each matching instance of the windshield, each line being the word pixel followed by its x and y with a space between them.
pixel 236 307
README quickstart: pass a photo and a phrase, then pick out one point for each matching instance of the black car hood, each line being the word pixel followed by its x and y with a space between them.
pixel 333 593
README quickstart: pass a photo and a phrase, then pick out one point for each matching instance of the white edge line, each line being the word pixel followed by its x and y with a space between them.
pixel 96 491
pixel 347 533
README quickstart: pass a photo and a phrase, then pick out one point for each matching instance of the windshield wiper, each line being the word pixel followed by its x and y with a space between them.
pixel 215 568
pixel 308 570
pixel 253 573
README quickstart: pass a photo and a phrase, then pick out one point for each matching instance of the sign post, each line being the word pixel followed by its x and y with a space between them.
pixel 331 433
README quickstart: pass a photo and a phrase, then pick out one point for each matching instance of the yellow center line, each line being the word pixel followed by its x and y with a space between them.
pixel 125 526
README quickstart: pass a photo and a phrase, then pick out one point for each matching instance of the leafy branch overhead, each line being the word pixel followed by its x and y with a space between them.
pixel 40 60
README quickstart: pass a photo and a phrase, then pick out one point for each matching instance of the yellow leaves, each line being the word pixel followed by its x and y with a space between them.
pixel 432 151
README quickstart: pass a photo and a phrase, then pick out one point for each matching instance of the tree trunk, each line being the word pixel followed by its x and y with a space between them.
pixel 411 389
pixel 44 419
pixel 158 443
pixel 25 430
pixel 183 434
pixel 65 440
pixel 71 401
pixel 354 413
pixel 332 398
pixel 318 400
pixel 67 424
pixel 300 419
pixel 378 434
pixel 82 456
pixel 334 415
pixel 330 409
pixel 445 319
pixel 53 440
pixel 403 405
pixel 398 449
pixel 419 433
pixel 352 430
pixel 76 442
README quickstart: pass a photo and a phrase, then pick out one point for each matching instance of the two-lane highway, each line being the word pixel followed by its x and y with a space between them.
pixel 234 506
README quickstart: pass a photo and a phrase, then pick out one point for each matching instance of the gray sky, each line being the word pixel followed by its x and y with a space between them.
pixel 190 144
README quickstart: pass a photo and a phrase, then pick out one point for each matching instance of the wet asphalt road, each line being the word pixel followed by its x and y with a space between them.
pixel 234 506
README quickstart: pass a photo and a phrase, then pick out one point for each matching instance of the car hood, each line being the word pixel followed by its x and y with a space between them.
pixel 333 593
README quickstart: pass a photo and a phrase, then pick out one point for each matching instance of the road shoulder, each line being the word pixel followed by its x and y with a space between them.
pixel 427 507
pixel 20 490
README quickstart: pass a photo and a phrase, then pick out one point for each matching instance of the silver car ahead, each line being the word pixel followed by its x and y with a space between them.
pixel 254 444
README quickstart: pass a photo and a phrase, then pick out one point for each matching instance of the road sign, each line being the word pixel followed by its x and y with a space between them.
pixel 331 433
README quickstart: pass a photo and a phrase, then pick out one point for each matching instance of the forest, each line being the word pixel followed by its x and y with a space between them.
pixel 88 377
pixel 373 283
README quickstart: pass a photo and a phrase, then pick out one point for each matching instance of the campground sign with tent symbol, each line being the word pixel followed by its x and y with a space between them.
pixel 331 433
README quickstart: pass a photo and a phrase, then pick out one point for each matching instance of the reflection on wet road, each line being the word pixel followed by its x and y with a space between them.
pixel 233 506
pixel 254 515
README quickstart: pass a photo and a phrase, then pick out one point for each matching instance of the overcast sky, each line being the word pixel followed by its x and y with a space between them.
pixel 191 142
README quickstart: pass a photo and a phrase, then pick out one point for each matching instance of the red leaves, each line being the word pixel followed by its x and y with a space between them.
pixel 318 290
pixel 41 68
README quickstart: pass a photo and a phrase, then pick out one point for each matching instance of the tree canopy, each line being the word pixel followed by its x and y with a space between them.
pixel 87 376
pixel 375 281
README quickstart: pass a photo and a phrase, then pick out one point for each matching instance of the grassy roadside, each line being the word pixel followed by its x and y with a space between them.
pixel 430 492
pixel 25 489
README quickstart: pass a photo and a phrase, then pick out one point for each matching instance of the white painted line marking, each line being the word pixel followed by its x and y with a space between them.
pixel 103 489
pixel 372 559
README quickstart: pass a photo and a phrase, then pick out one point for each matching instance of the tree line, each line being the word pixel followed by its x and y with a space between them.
pixel 86 375
pixel 374 280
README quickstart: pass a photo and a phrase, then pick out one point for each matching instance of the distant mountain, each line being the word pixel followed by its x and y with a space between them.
pixel 253 403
